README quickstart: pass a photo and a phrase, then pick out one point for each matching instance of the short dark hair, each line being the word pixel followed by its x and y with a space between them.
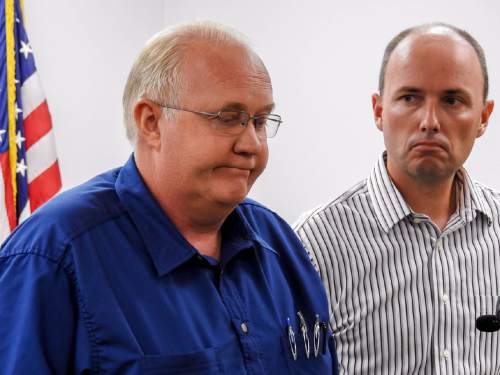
pixel 414 30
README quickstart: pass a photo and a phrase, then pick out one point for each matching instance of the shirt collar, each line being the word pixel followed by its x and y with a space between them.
pixel 166 246
pixel 239 235
pixel 390 207
pixel 388 203
pixel 250 232
pixel 470 201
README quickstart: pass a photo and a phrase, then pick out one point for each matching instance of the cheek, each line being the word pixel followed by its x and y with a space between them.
pixel 260 164
pixel 464 129
pixel 265 154
pixel 396 126
pixel 394 137
pixel 188 159
pixel 263 157
pixel 462 142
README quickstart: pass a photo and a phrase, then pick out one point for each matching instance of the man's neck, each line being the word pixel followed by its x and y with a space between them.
pixel 436 199
pixel 200 225
pixel 198 221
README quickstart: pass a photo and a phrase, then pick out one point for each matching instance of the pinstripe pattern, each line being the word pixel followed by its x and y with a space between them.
pixel 403 295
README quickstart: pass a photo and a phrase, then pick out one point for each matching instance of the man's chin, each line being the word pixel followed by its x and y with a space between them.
pixel 230 197
pixel 430 170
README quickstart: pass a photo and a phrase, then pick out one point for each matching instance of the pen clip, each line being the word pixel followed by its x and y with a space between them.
pixel 316 336
pixel 324 328
pixel 291 340
pixel 305 336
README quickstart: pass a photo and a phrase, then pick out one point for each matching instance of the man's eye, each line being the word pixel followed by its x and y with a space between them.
pixel 260 122
pixel 409 98
pixel 229 117
pixel 451 100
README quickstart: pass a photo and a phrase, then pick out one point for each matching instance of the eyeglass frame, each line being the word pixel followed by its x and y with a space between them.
pixel 216 115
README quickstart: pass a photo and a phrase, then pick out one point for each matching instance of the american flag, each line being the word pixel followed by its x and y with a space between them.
pixel 29 167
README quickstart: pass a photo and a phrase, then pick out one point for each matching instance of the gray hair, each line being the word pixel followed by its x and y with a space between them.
pixel 157 72
pixel 421 28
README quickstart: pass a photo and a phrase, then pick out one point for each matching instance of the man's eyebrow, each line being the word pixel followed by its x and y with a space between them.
pixel 234 105
pixel 408 89
pixel 415 90
pixel 267 108
pixel 240 107
pixel 458 92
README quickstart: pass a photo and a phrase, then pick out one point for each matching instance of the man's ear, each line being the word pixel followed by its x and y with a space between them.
pixel 485 116
pixel 147 115
pixel 377 110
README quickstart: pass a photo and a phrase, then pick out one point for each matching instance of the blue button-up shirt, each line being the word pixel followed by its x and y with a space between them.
pixel 100 279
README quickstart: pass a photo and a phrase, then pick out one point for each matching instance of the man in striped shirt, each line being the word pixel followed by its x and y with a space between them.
pixel 410 257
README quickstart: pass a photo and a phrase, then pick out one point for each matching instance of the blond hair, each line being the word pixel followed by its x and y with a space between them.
pixel 157 72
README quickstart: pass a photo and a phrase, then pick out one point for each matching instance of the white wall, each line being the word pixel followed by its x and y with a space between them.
pixel 324 57
pixel 83 50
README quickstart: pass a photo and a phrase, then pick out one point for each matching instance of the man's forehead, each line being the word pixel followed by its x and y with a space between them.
pixel 438 52
pixel 225 70
pixel 222 60
pixel 438 37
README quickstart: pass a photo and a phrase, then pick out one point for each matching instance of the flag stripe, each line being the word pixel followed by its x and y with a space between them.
pixel 41 156
pixel 37 124
pixel 32 94
pixel 25 213
pixel 44 186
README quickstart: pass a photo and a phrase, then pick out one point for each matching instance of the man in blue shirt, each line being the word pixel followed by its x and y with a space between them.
pixel 162 266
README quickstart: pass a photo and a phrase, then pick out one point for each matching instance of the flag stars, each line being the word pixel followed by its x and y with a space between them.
pixel 25 49
pixel 19 139
pixel 21 167
pixel 18 110
pixel 2 132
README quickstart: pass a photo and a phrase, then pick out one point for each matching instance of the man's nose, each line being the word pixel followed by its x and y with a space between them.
pixel 430 120
pixel 249 141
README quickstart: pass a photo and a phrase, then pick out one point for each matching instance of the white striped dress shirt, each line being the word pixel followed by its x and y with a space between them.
pixel 404 296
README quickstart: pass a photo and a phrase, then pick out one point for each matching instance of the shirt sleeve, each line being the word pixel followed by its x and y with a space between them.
pixel 37 316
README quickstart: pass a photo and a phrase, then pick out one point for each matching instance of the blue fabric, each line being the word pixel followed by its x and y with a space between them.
pixel 99 279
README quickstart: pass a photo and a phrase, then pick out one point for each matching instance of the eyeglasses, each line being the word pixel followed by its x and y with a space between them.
pixel 233 122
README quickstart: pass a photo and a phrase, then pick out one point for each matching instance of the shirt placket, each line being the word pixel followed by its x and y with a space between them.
pixel 445 312
pixel 441 302
pixel 241 324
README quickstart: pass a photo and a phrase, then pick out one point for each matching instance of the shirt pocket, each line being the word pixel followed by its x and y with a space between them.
pixel 478 305
pixel 322 364
pixel 204 362
pixel 481 348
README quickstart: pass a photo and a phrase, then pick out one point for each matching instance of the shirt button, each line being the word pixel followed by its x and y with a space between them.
pixel 445 354
pixel 417 220
pixel 244 328
pixel 445 298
